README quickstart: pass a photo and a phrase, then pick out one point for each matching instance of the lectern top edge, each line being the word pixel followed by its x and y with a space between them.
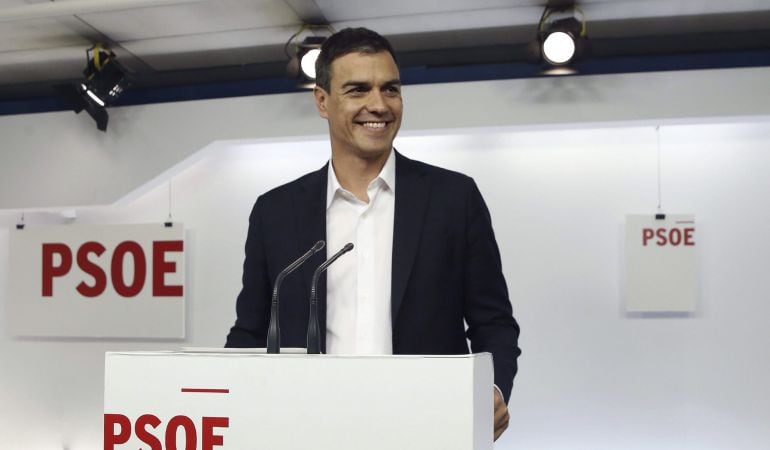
pixel 286 353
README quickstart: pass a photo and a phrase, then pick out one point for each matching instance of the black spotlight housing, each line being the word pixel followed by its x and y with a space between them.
pixel 307 53
pixel 302 62
pixel 302 55
pixel 105 80
pixel 560 42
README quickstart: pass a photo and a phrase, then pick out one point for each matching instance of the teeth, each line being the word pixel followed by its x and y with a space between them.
pixel 374 125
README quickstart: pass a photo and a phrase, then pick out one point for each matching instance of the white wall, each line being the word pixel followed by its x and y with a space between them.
pixel 591 377
pixel 43 153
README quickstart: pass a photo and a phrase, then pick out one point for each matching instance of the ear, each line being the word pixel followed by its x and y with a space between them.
pixel 321 96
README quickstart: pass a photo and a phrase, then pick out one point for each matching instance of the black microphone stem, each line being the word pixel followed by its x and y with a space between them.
pixel 273 331
pixel 313 329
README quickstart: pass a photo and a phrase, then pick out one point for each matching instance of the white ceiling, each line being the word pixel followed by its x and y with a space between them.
pixel 43 41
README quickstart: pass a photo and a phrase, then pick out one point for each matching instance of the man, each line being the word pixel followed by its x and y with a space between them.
pixel 425 260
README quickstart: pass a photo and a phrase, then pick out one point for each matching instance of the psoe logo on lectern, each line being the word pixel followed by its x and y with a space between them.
pixel 178 432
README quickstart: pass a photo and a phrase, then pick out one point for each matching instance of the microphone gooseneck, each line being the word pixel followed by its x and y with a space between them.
pixel 273 331
pixel 313 329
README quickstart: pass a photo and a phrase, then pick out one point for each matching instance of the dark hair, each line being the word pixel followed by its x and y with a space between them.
pixel 346 41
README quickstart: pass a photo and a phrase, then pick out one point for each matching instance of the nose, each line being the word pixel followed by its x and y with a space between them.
pixel 376 102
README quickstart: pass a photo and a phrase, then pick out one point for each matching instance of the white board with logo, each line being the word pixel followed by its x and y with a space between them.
pixel 97 281
pixel 660 263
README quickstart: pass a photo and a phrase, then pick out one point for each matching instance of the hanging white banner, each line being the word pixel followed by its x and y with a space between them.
pixel 660 263
pixel 97 281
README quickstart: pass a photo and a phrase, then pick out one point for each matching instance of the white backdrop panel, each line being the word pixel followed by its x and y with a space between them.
pixel 591 377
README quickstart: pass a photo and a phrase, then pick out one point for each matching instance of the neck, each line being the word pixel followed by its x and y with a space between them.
pixel 355 173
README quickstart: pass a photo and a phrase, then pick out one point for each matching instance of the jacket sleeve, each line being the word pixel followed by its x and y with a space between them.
pixel 253 303
pixel 488 311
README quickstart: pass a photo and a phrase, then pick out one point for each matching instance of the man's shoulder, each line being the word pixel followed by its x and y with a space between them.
pixel 436 174
pixel 281 193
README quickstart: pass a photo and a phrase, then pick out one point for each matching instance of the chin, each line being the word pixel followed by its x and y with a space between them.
pixel 374 152
pixel 373 148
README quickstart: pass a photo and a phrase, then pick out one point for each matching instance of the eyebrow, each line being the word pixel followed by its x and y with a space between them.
pixel 353 83
pixel 348 84
pixel 393 82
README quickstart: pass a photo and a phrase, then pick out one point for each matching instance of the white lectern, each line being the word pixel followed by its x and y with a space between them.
pixel 248 401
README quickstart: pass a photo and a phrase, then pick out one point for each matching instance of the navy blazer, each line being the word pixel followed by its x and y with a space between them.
pixel 446 268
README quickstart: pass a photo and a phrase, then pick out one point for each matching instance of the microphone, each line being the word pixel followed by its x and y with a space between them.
pixel 313 330
pixel 273 331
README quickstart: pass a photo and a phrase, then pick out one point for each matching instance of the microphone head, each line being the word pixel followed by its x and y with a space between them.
pixel 348 247
pixel 319 245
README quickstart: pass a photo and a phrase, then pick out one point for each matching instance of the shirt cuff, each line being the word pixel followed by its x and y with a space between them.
pixel 499 391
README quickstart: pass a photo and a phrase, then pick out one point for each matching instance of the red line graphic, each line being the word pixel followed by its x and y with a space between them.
pixel 206 391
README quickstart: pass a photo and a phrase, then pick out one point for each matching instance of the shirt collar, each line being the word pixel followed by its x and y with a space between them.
pixel 387 175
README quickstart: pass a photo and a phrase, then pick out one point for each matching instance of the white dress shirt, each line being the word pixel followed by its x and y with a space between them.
pixel 358 319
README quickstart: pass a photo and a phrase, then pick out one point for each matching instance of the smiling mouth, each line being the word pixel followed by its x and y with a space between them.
pixel 373 125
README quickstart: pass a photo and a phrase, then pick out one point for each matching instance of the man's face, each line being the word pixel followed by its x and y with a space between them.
pixel 363 105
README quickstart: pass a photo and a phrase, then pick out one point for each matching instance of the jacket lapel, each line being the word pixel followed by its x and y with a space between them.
pixel 310 210
pixel 412 193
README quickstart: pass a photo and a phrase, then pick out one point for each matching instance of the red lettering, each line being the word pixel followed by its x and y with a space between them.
pixel 100 278
pixel 208 438
pixel 689 239
pixel 176 422
pixel 160 267
pixel 140 269
pixel 110 438
pixel 50 270
pixel 675 236
pixel 647 234
pixel 145 436
pixel 117 431
pixel 57 259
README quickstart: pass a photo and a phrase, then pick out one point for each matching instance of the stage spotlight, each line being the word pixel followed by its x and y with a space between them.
pixel 308 54
pixel 304 55
pixel 105 80
pixel 558 48
pixel 561 41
